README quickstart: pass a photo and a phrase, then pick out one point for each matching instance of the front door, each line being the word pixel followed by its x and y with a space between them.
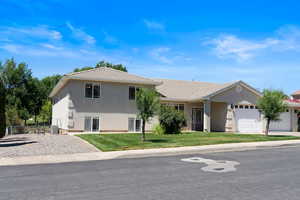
pixel 197 119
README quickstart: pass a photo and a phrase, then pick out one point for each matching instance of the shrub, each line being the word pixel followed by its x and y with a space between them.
pixel 158 129
pixel 171 120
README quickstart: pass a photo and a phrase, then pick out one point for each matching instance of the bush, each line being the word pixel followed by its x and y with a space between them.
pixel 158 129
pixel 171 120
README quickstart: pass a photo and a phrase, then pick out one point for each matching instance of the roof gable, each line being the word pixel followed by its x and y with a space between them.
pixel 193 90
pixel 103 74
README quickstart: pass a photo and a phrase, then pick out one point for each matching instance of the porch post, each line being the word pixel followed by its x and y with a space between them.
pixel 206 117
pixel 294 120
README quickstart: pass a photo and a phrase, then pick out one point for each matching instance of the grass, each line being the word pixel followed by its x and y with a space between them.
pixel 114 142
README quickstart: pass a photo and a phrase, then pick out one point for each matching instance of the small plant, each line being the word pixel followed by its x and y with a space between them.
pixel 171 120
pixel 158 129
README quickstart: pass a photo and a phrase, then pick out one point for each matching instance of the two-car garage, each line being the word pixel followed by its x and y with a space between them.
pixel 248 119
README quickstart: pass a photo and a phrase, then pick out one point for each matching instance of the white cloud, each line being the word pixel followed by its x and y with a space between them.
pixel 81 35
pixel 42 32
pixel 154 25
pixel 231 46
pixel 159 54
pixel 50 46
pixel 46 50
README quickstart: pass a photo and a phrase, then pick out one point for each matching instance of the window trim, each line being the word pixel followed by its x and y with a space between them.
pixel 134 125
pixel 136 88
pixel 91 121
pixel 93 84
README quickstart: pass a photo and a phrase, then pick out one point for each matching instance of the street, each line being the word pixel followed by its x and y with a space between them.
pixel 269 174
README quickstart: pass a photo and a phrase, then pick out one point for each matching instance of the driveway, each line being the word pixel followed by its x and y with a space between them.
pixel 268 174
pixel 38 144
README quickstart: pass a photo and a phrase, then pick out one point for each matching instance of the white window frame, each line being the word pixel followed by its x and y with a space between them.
pixel 174 106
pixel 135 90
pixel 93 84
pixel 91 125
pixel 134 125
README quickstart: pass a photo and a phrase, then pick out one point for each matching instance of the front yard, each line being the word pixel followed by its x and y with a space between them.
pixel 115 142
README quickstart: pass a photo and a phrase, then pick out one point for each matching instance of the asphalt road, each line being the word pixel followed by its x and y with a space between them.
pixel 269 174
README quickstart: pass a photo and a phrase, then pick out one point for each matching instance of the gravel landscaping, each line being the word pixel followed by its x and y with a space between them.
pixel 34 144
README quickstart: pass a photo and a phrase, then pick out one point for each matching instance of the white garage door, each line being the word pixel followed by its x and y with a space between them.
pixel 284 124
pixel 248 119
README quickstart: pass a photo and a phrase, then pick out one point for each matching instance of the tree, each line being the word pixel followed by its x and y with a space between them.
pixel 2 104
pixel 82 69
pixel 49 83
pixel 147 101
pixel 103 64
pixel 46 111
pixel 271 105
pixel 110 65
pixel 37 95
pixel 171 120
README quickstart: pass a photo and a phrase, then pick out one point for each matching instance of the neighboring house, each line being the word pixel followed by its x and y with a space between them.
pixel 103 99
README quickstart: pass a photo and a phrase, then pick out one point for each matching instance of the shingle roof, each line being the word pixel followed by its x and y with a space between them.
pixel 110 75
pixel 296 93
pixel 188 90
pixel 103 74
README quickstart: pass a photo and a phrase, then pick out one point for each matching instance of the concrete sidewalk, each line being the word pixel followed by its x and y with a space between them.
pixel 80 157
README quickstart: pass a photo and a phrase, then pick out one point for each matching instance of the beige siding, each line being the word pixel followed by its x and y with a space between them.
pixel 60 109
pixel 232 96
pixel 218 116
pixel 113 107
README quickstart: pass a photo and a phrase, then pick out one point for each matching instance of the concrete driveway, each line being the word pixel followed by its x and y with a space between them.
pixel 38 144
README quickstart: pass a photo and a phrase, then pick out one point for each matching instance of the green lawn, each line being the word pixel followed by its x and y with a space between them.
pixel 114 142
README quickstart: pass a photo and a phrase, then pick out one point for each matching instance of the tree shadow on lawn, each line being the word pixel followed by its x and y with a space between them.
pixel 157 140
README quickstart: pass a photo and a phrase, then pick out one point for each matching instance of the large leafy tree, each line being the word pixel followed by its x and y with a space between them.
pixel 46 111
pixel 103 64
pixel 110 65
pixel 15 78
pixel 147 101
pixel 2 104
pixel 271 105
pixel 49 83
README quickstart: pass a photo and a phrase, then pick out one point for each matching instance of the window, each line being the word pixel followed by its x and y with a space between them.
pixel 251 107
pixel 89 90
pixel 95 124
pixel 96 91
pixel 236 106
pixel 92 90
pixel 246 107
pixel 134 125
pixel 138 125
pixel 91 124
pixel 132 92
pixel 178 107
pixel 241 106
pixel 131 124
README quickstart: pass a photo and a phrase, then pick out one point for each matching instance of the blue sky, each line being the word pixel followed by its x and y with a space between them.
pixel 217 41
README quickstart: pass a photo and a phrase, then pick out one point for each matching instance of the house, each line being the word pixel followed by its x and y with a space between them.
pixel 103 100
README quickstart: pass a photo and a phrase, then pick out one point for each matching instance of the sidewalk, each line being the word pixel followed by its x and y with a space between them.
pixel 80 157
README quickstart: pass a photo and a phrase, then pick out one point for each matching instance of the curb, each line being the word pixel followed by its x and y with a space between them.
pixel 81 157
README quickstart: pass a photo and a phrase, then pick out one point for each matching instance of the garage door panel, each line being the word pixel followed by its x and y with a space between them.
pixel 284 124
pixel 248 120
